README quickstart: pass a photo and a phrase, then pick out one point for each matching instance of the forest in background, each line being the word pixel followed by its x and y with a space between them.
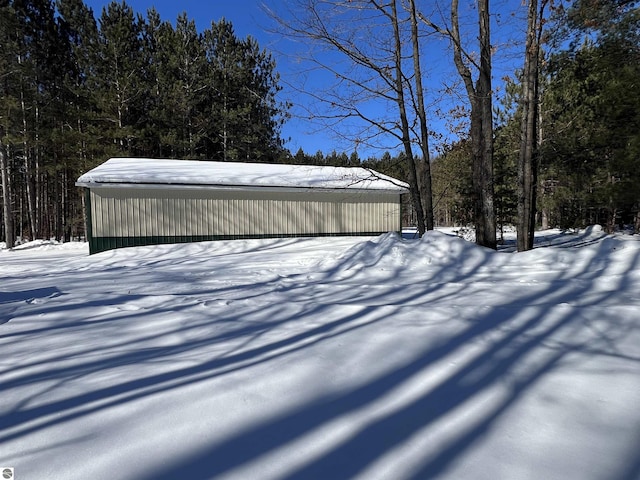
pixel 76 91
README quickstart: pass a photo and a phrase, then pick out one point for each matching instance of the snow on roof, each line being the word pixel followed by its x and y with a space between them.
pixel 193 172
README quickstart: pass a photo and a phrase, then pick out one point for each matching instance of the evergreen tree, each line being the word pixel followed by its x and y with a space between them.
pixel 41 57
pixel 74 92
pixel 591 114
pixel 452 186
pixel 8 108
pixel 245 117
pixel 183 87
pixel 507 145
pixel 120 73
pixel 76 148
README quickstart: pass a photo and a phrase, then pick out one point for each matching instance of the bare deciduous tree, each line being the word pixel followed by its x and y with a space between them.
pixel 481 132
pixel 371 35
pixel 427 195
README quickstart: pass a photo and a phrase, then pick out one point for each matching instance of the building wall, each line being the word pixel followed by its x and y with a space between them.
pixel 127 216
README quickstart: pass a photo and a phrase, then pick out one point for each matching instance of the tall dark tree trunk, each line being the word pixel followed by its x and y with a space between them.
pixel 479 96
pixel 9 234
pixel 26 155
pixel 425 183
pixel 404 124
pixel 481 124
pixel 483 143
pixel 528 157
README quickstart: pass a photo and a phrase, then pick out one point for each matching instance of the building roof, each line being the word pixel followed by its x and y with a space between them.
pixel 146 171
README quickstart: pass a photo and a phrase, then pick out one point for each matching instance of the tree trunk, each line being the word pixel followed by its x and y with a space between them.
pixel 426 193
pixel 28 175
pixel 544 219
pixel 36 194
pixel 481 119
pixel 404 124
pixel 527 161
pixel 481 124
pixel 6 199
pixel 482 181
pixel 486 219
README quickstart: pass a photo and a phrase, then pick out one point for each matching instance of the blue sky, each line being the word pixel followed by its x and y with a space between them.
pixel 249 18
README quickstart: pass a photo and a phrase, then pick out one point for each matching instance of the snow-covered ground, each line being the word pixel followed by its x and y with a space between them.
pixel 334 358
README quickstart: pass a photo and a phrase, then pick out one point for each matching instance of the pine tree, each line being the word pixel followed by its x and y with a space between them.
pixel 8 107
pixel 76 146
pixel 246 114
pixel 74 92
pixel 120 77
pixel 160 131
pixel 591 116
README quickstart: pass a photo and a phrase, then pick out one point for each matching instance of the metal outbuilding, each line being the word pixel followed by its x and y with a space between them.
pixel 134 201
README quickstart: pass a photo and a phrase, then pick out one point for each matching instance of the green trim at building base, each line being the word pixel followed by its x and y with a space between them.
pixel 102 244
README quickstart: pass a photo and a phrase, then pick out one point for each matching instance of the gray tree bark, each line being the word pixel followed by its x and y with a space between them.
pixel 404 122
pixel 481 118
pixel 427 193
pixel 529 138
pixel 6 199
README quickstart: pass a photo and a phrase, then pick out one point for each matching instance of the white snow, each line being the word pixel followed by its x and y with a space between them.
pixel 149 171
pixel 328 358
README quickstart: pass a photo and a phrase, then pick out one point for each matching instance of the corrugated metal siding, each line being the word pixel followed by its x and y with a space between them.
pixel 129 212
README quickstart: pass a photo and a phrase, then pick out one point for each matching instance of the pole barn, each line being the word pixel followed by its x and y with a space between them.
pixel 134 201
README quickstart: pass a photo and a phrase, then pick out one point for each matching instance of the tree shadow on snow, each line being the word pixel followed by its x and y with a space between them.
pixel 527 331
pixel 30 296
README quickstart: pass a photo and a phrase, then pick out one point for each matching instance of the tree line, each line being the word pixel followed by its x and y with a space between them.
pixel 560 145
pixel 586 162
pixel 75 90
pixel 587 139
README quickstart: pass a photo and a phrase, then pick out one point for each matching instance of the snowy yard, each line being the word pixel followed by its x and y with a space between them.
pixel 334 358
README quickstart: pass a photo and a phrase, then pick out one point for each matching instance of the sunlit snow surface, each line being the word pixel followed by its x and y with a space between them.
pixel 369 358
